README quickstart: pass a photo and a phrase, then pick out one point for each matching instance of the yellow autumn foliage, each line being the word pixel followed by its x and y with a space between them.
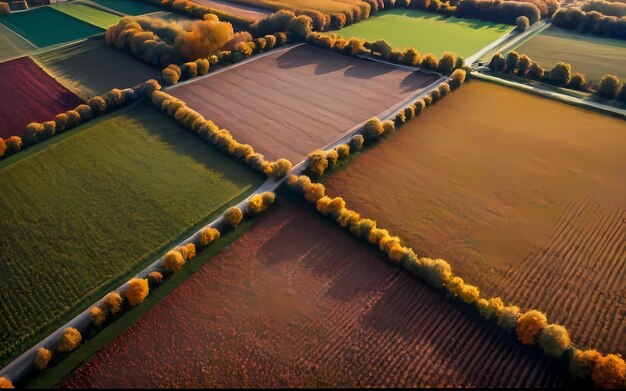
pixel 208 235
pixel 609 371
pixel 137 291
pixel 530 325
pixel 173 261
pixel 43 358
pixel 69 340
pixel 233 216
pixel 98 316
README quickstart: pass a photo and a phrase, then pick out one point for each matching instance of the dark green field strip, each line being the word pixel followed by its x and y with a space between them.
pixel 45 26
pixel 81 213
pixel 91 67
pixel 128 7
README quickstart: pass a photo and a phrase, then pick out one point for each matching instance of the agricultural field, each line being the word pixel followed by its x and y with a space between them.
pixel 300 99
pixel 296 302
pixel 133 8
pixel 91 67
pixel 82 212
pixel 11 45
pixel 324 6
pixel 242 10
pixel 521 198
pixel 88 14
pixel 428 32
pixel 29 94
pixel 40 26
pixel 594 56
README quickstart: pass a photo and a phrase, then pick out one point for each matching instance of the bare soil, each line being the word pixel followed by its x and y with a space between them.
pixel 524 196
pixel 287 104
pixel 296 302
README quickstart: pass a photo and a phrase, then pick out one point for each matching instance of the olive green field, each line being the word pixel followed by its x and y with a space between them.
pixel 592 55
pixel 84 211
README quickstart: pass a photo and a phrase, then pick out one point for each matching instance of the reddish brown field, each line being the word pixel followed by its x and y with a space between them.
pixel 298 302
pixel 524 196
pixel 29 94
pixel 289 103
pixel 235 9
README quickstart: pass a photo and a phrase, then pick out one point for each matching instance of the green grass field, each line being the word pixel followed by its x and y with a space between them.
pixel 127 7
pixel 427 32
pixel 42 26
pixel 594 56
pixel 82 213
pixel 88 14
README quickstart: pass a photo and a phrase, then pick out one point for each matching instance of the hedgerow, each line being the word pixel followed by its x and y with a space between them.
pixel 36 132
pixel 220 138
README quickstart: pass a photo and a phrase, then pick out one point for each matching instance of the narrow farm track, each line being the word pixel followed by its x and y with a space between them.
pixel 297 302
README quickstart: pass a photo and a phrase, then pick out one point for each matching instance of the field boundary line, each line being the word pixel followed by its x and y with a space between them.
pixel 232 66
pixel 21 366
pixel 508 40
pixel 607 109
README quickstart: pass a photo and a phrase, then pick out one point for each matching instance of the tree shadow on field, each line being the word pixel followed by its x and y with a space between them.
pixel 324 250
pixel 182 142
pixel 324 60
pixel 367 70
pixel 417 80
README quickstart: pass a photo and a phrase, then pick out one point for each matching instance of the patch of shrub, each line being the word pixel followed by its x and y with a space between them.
pixel 530 325
pixel 316 162
pixel 112 303
pixel 208 235
pixel 522 23
pixel 5 383
pixel 554 340
pixel 69 340
pixel 609 87
pixel 98 316
pixel 233 216
pixel 4 9
pixel 155 278
pixel 173 261
pixel 259 202
pixel 609 371
pixel 43 358
pixel 137 291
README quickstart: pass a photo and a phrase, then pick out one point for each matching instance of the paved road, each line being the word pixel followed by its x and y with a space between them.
pixel 509 40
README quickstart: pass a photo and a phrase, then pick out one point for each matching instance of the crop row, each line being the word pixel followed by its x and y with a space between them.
pixel 135 291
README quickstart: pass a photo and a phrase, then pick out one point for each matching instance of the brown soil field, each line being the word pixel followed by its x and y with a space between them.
pixel 297 302
pixel 92 67
pixel 524 196
pixel 235 9
pixel 29 94
pixel 289 103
